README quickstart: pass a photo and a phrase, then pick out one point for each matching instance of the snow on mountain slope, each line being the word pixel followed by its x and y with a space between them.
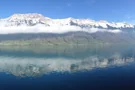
pixel 37 23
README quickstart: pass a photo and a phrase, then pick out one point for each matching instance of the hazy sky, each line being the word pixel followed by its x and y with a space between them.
pixel 110 10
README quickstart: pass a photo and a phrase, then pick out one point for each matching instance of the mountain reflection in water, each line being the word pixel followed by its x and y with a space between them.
pixel 34 66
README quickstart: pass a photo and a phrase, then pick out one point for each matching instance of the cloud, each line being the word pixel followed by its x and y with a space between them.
pixel 52 29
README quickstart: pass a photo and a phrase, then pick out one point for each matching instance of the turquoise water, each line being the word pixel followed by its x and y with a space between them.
pixel 104 68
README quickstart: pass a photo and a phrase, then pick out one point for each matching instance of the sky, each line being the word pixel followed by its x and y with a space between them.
pixel 110 10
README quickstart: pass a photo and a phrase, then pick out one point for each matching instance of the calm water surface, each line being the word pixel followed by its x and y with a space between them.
pixel 111 68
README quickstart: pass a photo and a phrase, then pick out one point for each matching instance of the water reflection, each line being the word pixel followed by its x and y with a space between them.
pixel 70 68
pixel 32 67
pixel 26 63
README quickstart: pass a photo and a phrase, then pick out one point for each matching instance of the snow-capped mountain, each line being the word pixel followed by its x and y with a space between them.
pixel 33 23
pixel 24 19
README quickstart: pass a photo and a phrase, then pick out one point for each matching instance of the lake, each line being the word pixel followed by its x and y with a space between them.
pixel 74 68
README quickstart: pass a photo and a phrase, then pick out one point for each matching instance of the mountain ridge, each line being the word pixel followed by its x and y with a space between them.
pixel 34 22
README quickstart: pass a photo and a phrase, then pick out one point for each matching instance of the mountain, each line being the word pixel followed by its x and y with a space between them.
pixel 35 29
pixel 37 23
